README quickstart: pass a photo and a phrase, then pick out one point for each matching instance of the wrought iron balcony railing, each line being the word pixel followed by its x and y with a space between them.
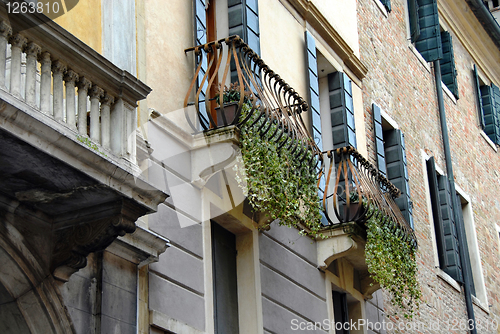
pixel 266 94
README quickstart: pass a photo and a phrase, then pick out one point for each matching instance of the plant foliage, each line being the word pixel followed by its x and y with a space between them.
pixel 276 172
pixel 391 261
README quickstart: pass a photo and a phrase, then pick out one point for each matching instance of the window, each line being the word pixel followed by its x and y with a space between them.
pixel 446 231
pixel 488 101
pixel 391 159
pixel 387 4
pixel 224 280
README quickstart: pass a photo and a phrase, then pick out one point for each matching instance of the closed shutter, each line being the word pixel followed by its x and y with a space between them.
pixel 448 71
pixel 429 41
pixel 414 22
pixel 479 99
pixel 491 111
pixel 397 170
pixel 444 224
pixel 224 280
pixel 387 4
pixel 341 110
pixel 200 35
pixel 243 17
pixel 379 139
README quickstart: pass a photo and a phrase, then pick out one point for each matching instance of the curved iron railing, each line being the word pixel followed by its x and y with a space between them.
pixel 265 95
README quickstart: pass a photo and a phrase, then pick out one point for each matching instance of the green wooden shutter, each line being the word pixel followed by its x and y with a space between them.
pixel 444 224
pixel 341 110
pixel 243 18
pixel 200 36
pixel 478 96
pixel 414 22
pixel 397 170
pixel 428 42
pixel 491 111
pixel 387 4
pixel 448 71
pixel 379 139
pixel 465 250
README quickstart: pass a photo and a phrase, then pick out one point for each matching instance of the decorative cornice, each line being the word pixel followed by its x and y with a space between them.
pixel 317 20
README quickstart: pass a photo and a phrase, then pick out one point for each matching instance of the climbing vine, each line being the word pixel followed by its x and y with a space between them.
pixel 277 176
pixel 390 256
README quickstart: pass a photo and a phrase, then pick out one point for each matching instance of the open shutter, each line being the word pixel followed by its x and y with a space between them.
pixel 479 99
pixel 379 139
pixel 200 36
pixel 387 4
pixel 313 93
pixel 397 170
pixel 243 17
pixel 491 111
pixel 341 110
pixel 448 71
pixel 444 224
pixel 414 22
pixel 429 41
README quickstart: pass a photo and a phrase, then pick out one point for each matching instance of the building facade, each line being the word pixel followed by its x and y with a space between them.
pixel 122 209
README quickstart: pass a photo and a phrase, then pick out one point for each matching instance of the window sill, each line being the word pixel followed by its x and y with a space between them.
pixel 449 93
pixel 419 56
pixel 381 7
pixel 448 279
pixel 489 141
pixel 480 304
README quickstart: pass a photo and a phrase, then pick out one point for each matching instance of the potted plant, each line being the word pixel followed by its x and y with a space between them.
pixel 231 95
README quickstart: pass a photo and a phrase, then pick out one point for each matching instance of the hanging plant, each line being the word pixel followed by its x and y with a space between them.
pixel 277 176
pixel 391 260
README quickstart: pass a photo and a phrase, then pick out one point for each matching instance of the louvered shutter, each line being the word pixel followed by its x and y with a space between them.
pixel 379 139
pixel 479 99
pixel 444 224
pixel 397 170
pixel 414 22
pixel 200 31
pixel 428 42
pixel 387 4
pixel 243 18
pixel 341 110
pixel 491 111
pixel 448 71
pixel 313 93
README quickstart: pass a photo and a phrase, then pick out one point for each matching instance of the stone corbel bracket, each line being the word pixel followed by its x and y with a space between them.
pixel 346 242
pixel 212 152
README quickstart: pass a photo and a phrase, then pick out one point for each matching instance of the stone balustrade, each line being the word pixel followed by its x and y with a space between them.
pixel 62 77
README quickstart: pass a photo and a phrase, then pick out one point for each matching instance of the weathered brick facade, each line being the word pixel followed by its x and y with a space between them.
pixel 404 87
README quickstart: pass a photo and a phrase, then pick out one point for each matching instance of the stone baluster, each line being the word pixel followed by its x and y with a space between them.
pixel 32 51
pixel 17 43
pixel 58 70
pixel 118 120
pixel 95 129
pixel 45 84
pixel 83 88
pixel 5 33
pixel 106 103
pixel 70 78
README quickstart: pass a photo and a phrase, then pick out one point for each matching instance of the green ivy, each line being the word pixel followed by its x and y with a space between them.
pixel 277 179
pixel 391 260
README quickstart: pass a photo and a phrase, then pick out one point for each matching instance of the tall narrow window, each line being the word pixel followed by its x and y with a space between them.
pixel 340 312
pixel 424 28
pixel 224 280
pixel 489 104
pixel 391 160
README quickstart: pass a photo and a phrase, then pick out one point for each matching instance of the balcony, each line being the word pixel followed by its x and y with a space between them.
pixel 343 173
pixel 69 180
